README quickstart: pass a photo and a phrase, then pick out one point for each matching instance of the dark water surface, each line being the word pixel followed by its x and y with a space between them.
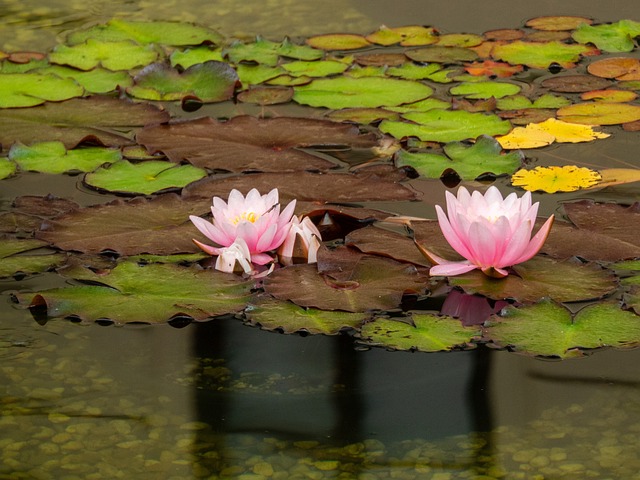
pixel 223 400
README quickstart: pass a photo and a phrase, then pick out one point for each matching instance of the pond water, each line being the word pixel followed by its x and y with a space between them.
pixel 220 399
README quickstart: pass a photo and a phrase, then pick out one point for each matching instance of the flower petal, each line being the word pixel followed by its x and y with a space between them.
pixel 451 269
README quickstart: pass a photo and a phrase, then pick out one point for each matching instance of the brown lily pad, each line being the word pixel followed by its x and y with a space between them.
pixel 440 54
pixel 378 241
pixel 266 95
pixel 506 34
pixel 575 83
pixel 247 143
pixel 381 59
pixel 560 22
pixel 620 68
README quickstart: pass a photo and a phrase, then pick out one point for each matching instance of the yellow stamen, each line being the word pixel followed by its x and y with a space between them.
pixel 246 216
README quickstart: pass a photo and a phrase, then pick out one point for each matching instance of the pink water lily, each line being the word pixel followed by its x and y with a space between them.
pixel 256 219
pixel 490 232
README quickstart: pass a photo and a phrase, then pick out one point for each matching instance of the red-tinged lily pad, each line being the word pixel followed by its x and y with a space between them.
pixel 620 68
pixel 95 119
pixel 370 92
pixel 290 318
pixel 467 161
pixel 159 226
pixel 540 55
pixel 421 332
pixel 338 41
pixel 575 83
pixel 154 293
pixel 610 37
pixel 617 221
pixel 329 187
pixel 614 96
pixel 164 33
pixel 442 54
pixel 541 277
pixel 30 89
pixel 445 125
pixel 378 241
pixel 53 157
pixel 600 113
pixel 551 330
pixel 209 82
pixel 266 95
pixel 493 69
pixel 124 55
pixel 143 178
pixel 248 143
pixel 557 23
pixel 406 36
pixel 28 212
pixel 15 257
pixel 361 284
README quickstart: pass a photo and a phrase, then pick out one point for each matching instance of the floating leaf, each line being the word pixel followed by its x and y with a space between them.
pixel 13 259
pixel 555 179
pixel 484 90
pixel 554 23
pixel 247 143
pixel 144 177
pixel 97 80
pixel 381 59
pixel 491 68
pixel 53 157
pixel 363 115
pixel 549 329
pixel 266 95
pixel 405 36
pixel 29 89
pixel 318 68
pixel 209 82
pixel 469 162
pixel 98 119
pixel 518 102
pixel 124 55
pixel 620 68
pixel 611 37
pixel 285 316
pixel 338 41
pixel 575 83
pixel 538 278
pixel 600 113
pixel 7 168
pixel 465 40
pixel 616 96
pixel 535 135
pixel 422 332
pixel 192 56
pixel 345 92
pixel 165 33
pixel 440 54
pixel 153 293
pixel 445 125
pixel 526 137
pixel 539 55
pixel 159 226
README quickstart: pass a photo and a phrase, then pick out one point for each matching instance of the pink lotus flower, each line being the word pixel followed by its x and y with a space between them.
pixel 492 233
pixel 301 244
pixel 256 219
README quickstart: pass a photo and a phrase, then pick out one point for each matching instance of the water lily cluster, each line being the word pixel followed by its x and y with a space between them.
pixel 490 232
pixel 248 230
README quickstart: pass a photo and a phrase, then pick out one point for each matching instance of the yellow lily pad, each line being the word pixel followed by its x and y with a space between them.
pixel 536 135
pixel 338 41
pixel 556 179
pixel 600 113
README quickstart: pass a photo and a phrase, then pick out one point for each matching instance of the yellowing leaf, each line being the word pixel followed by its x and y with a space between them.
pixel 556 179
pixel 536 135
pixel 618 176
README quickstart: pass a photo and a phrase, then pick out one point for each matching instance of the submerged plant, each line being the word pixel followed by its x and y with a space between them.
pixel 490 232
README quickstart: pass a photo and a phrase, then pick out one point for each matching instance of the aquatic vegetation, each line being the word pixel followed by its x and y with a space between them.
pixel 301 243
pixel 490 232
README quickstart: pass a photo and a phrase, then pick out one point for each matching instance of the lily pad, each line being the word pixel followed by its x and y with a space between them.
pixel 209 82
pixel 247 143
pixel 600 113
pixel 53 157
pixel 318 68
pixel 493 69
pixel 445 126
pixel 620 68
pixel 483 90
pixel 97 80
pixel 381 242
pixel 549 329
pixel 468 161
pixel 30 89
pixel 256 74
pixel 153 293
pixel 290 318
pixel 144 177
pixel 432 71
pixel 611 37
pixel 568 178
pixel 541 277
pixel 575 83
pixel 165 33
pixel 540 55
pixel 370 92
pixel 422 332
pixel 159 226
pixel 413 35
pixel 13 258
pixel 266 52
pixel 266 95
pixel 441 54
pixel 518 102
pixel 557 23
pixel 123 55
pixel 191 56
pixel 338 41
pixel 97 119
pixel 7 168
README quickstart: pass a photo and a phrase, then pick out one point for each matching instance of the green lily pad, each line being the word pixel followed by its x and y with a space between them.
pixel 97 80
pixel 318 68
pixel 13 258
pixel 164 33
pixel 446 126
pixel 411 71
pixel 442 54
pixel 256 74
pixel 7 168
pixel 612 37
pixel 484 90
pixel 192 56
pixel 405 36
pixel 422 106
pixel 469 162
pixel 153 293
pixel 541 277
pixel 124 55
pixel 539 54
pixel 520 102
pixel 549 329
pixel 369 92
pixel 144 177
pixel 465 40
pixel 53 157
pixel 266 52
pixel 30 89
pixel 290 318
pixel 425 332
pixel 357 71
pixel 210 82
pixel 362 116
pixel 600 113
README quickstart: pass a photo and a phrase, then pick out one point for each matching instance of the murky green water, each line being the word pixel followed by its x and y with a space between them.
pixel 223 400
